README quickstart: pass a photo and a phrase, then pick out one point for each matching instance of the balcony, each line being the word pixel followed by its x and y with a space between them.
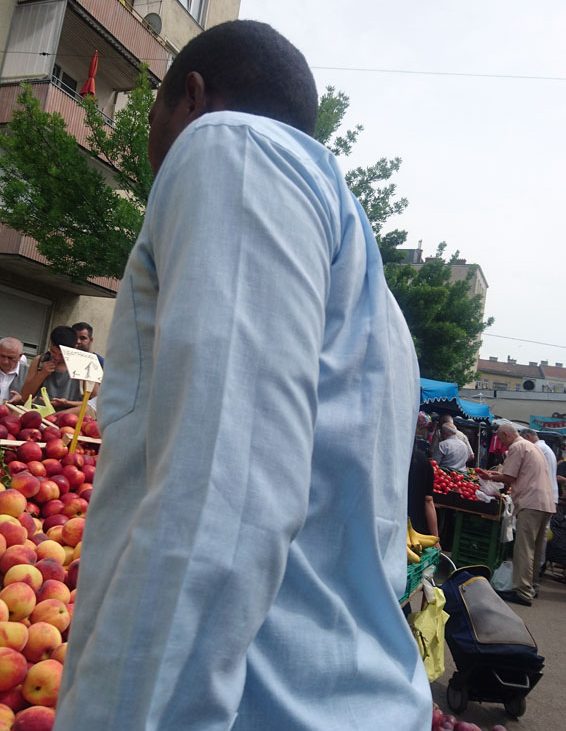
pixel 18 253
pixel 126 27
pixel 52 98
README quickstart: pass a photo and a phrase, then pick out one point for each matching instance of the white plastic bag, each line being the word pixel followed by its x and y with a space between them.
pixel 502 579
pixel 507 520
pixel 489 487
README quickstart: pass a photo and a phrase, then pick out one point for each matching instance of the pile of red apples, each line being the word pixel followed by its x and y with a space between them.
pixel 44 498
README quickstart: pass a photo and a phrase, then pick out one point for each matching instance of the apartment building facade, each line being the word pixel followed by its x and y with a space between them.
pixel 49 44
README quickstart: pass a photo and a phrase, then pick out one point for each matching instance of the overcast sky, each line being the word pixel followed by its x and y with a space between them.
pixel 484 159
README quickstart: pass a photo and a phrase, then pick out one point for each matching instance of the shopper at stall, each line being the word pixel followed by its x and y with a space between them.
pixel 49 371
pixel 449 419
pixel 451 453
pixel 246 541
pixel 531 436
pixel 524 471
pixel 421 508
pixel 12 370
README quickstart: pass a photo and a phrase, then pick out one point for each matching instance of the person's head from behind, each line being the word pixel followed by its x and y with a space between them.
pixel 530 435
pixel 11 350
pixel 448 430
pixel 61 335
pixel 507 434
pixel 242 66
pixel 83 332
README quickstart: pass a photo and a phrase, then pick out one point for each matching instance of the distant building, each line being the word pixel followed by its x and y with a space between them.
pixel 518 391
pixel 49 44
pixel 459 269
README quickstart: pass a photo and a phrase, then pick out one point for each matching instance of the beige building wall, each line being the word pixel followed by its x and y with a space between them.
pixel 6 10
pixel 220 11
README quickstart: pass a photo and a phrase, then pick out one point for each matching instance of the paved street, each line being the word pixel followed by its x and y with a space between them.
pixel 546 705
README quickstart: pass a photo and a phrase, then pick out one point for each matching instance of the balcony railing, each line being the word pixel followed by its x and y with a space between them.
pixel 127 27
pixel 54 96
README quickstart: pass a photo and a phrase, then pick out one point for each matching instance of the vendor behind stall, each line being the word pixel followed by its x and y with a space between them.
pixel 49 371
pixel 451 453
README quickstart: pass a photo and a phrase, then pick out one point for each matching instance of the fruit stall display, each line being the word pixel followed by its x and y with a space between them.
pixel 44 498
pixel 458 490
pixel 446 722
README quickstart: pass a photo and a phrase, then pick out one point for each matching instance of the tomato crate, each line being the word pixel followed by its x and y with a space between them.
pixel 415 571
pixel 476 541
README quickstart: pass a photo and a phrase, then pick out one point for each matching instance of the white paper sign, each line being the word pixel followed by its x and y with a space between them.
pixel 82 365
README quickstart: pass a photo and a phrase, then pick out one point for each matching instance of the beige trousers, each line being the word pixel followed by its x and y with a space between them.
pixel 528 550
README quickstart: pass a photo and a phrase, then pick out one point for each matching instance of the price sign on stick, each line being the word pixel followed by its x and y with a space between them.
pixel 82 366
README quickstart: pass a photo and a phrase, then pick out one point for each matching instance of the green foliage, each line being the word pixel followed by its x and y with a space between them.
pixel 49 189
pixel 445 320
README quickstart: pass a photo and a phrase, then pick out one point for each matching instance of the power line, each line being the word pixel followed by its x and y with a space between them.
pixel 360 69
pixel 441 73
pixel 523 340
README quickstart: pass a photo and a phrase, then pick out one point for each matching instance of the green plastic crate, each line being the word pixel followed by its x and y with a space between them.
pixel 476 541
pixel 429 557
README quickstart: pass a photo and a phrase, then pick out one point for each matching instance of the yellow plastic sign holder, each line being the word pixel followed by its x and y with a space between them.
pixel 88 386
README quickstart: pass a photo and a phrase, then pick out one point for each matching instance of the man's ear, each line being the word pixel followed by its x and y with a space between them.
pixel 195 95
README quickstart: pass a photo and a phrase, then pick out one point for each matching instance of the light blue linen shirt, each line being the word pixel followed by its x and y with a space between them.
pixel 245 545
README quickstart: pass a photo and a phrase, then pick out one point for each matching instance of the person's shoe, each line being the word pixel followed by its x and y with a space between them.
pixel 514 598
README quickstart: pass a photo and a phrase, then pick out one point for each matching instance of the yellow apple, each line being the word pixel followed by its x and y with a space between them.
pixel 53 589
pixel 20 599
pixel 24 572
pixel 43 639
pixel 52 611
pixel 13 668
pixel 41 686
pixel 51 549
pixel 14 635
pixel 35 718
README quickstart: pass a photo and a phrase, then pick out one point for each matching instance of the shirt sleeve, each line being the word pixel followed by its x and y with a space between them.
pixel 242 254
pixel 512 463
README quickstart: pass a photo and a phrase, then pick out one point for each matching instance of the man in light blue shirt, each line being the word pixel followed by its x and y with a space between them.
pixel 245 547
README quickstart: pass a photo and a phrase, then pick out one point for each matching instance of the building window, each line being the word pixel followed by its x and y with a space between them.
pixel 499 386
pixel 196 8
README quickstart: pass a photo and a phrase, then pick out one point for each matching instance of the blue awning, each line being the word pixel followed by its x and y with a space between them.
pixel 446 396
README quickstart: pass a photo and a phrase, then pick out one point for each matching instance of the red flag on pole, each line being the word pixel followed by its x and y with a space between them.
pixel 89 87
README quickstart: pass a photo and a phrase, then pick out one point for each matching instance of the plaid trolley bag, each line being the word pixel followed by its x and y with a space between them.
pixel 495 654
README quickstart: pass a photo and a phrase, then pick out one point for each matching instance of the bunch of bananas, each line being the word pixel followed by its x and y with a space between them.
pixel 417 542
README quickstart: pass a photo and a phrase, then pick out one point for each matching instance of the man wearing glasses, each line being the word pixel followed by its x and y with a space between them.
pixel 12 371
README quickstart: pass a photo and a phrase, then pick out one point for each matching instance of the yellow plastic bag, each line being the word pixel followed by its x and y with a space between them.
pixel 427 627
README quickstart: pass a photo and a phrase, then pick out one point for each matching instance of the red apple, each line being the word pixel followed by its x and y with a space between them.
pixel 76 508
pixel 30 420
pixel 3 432
pixel 52 467
pixel 13 668
pixel 38 538
pixel 89 471
pixel 37 469
pixel 53 520
pixel 73 531
pixel 73 574
pixel 77 459
pixel 68 420
pixel 32 509
pixel 48 490
pixel 85 493
pixel 15 535
pixel 21 601
pixel 74 475
pixel 43 639
pixel 53 589
pixel 4 411
pixel 62 482
pixel 28 523
pixel 26 483
pixel 14 699
pixel 15 555
pixel 16 466
pixel 91 430
pixel 12 424
pixel 35 718
pixel 29 435
pixel 51 569
pixel 55 449
pixel 30 451
pixel 51 507
pixel 51 432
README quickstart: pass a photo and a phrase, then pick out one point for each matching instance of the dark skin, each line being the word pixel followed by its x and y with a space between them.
pixel 167 123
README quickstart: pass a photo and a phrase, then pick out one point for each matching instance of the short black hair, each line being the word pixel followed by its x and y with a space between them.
pixel 253 68
pixel 63 335
pixel 78 326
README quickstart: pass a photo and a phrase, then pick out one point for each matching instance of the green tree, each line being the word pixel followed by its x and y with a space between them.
pixel 444 318
pixel 50 190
